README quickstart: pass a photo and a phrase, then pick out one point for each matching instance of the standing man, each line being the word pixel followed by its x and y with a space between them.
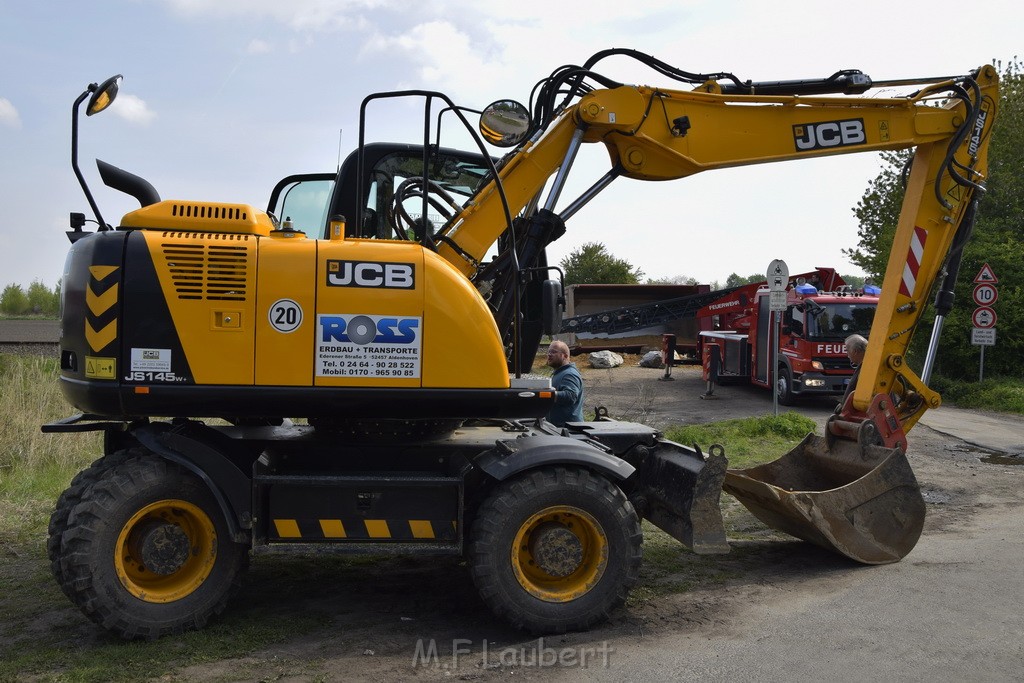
pixel 568 386
pixel 856 347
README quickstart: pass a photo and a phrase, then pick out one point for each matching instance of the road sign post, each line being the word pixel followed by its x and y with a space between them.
pixel 984 317
pixel 778 279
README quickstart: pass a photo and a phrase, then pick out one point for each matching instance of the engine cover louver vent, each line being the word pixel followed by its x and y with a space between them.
pixel 214 272
pixel 215 212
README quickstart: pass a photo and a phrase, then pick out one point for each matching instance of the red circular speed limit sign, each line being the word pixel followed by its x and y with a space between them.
pixel 984 316
pixel 985 295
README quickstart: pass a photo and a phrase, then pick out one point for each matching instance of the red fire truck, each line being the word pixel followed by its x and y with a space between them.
pixel 737 341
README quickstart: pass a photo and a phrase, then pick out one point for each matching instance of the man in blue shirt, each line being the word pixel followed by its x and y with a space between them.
pixel 568 386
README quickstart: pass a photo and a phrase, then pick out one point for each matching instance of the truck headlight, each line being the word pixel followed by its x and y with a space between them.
pixel 817 365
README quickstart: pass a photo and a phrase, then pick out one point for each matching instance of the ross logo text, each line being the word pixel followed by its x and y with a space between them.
pixel 362 330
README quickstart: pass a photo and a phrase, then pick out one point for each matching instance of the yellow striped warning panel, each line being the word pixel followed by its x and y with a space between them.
pixel 101 330
pixel 378 528
pixel 421 528
pixel 366 529
pixel 332 528
pixel 287 528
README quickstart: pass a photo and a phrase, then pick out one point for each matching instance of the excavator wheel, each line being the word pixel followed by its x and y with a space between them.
pixel 555 550
pixel 146 551
pixel 67 501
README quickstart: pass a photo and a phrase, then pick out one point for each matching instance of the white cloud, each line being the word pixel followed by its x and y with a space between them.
pixel 442 51
pixel 258 47
pixel 133 109
pixel 299 15
pixel 8 114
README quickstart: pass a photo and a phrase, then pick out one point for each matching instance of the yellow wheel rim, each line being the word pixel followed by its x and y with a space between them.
pixel 179 542
pixel 559 553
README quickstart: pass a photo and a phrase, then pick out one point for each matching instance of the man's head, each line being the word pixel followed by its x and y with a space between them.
pixel 856 346
pixel 558 354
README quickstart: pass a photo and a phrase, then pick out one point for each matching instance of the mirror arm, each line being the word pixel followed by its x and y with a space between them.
pixel 74 155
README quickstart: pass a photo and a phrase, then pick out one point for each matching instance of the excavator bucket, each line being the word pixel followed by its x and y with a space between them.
pixel 858 500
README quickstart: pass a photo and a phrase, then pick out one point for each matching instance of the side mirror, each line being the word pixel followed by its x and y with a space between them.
pixel 552 305
pixel 505 123
pixel 103 96
pixel 100 97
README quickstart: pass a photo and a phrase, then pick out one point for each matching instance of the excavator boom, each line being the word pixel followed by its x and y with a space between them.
pixel 873 510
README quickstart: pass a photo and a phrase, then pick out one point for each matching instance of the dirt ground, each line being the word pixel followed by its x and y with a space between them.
pixel 774 609
pixel 637 394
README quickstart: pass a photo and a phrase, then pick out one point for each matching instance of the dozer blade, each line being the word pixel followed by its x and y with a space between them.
pixel 860 501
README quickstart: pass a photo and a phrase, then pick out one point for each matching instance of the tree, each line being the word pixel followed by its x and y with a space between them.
pixel 591 264
pixel 998 240
pixel 41 299
pixel 38 300
pixel 736 280
pixel 877 213
pixel 855 281
pixel 13 300
pixel 674 280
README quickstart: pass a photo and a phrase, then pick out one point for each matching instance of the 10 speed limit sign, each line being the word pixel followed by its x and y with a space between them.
pixel 985 294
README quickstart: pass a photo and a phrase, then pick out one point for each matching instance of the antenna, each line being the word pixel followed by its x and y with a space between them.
pixel 339 147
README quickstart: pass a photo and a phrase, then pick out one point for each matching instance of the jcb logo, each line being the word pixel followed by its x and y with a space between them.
pixel 829 134
pixel 370 274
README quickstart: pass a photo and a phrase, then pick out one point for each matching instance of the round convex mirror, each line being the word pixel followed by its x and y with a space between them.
pixel 505 123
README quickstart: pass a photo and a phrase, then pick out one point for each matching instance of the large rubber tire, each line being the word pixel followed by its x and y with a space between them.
pixel 67 501
pixel 146 510
pixel 784 386
pixel 555 550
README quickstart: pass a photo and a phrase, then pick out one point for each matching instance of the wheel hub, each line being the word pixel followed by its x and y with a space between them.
pixel 556 550
pixel 162 547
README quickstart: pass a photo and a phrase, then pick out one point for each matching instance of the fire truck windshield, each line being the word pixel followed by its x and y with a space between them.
pixel 840 320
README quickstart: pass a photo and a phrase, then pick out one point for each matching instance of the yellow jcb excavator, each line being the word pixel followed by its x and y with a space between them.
pixel 350 304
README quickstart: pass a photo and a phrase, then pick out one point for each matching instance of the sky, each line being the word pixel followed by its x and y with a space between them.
pixel 222 98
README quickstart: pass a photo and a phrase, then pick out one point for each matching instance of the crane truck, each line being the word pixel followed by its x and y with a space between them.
pixel 285 384
pixel 737 342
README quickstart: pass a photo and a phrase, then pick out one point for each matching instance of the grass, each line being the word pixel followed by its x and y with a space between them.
pixel 751 441
pixel 34 467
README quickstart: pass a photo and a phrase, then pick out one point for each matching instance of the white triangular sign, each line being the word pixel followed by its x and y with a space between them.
pixel 986 275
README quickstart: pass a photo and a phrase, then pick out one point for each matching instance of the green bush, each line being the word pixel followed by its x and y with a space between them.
pixel 38 299
pixel 1003 394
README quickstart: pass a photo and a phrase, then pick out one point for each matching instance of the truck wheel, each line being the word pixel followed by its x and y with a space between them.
pixel 146 552
pixel 67 501
pixel 555 550
pixel 784 386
